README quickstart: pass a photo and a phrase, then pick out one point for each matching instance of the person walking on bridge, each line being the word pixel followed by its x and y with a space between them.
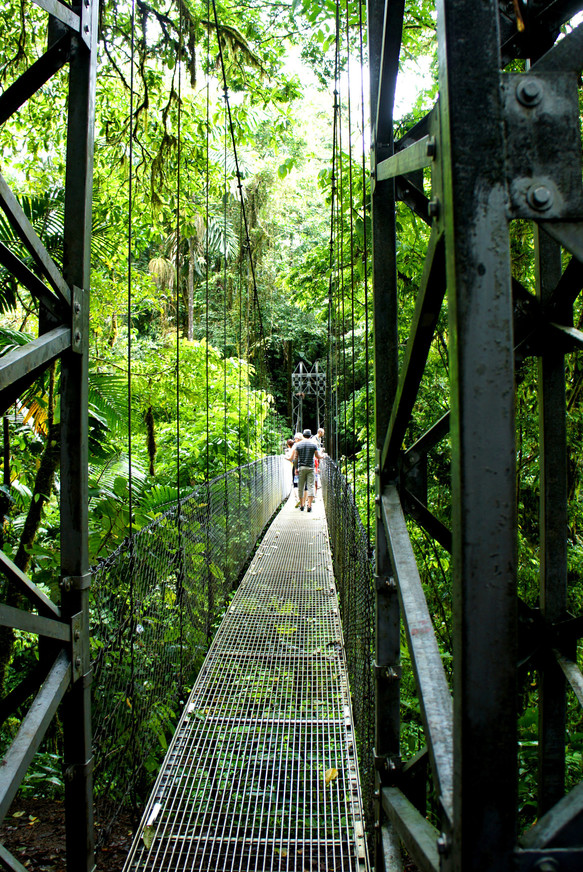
pixel 304 452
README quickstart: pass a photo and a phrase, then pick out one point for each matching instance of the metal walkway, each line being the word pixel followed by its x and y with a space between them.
pixel 262 772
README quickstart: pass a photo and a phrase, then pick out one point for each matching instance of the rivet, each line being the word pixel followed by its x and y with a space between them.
pixel 76 635
pixel 377 500
pixel 77 336
pixel 377 470
pixel 433 208
pixel 77 308
pixel 77 662
pixel 66 584
pixel 540 197
pixel 529 92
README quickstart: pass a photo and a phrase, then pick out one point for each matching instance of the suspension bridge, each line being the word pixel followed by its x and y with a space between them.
pixel 288 752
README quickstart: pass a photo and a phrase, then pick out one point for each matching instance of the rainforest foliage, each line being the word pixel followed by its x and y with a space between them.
pixel 209 307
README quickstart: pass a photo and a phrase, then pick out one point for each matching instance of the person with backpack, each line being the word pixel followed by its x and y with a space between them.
pixel 305 452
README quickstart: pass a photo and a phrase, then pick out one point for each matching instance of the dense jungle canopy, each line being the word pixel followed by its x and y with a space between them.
pixel 238 296
pixel 176 278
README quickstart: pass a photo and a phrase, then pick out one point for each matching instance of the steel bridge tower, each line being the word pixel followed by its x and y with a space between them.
pixel 497 146
pixel 61 298
pixel 307 381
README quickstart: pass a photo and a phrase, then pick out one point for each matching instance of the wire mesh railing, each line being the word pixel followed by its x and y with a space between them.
pixel 155 604
pixel 354 574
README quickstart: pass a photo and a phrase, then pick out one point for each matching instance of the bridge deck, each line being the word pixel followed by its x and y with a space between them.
pixel 262 771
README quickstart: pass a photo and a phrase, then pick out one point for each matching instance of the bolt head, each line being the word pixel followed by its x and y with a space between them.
pixel 540 197
pixel 77 662
pixel 529 92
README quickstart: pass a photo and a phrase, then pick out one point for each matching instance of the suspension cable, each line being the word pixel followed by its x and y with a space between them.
pixel 132 604
pixel 179 569
pixel 209 577
pixel 365 257
pixel 350 205
pixel 341 260
pixel 332 387
pixel 237 168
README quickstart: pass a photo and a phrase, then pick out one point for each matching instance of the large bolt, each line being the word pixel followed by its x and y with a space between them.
pixel 529 92
pixel 431 146
pixel 540 197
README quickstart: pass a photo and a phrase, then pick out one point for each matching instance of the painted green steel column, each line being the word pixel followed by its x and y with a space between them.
pixel 78 760
pixel 384 39
pixel 473 206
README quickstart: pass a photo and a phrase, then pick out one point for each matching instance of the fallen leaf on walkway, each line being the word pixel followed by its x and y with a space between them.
pixel 148 837
pixel 330 775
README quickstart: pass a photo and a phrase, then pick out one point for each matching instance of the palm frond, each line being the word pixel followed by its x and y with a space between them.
pixel 108 399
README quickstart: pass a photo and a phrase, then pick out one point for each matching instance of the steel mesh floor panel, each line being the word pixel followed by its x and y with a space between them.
pixel 262 771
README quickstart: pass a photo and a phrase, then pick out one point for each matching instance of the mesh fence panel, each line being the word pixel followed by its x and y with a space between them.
pixel 353 570
pixel 155 603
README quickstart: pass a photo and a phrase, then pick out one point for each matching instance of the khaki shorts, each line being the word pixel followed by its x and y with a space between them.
pixel 306 476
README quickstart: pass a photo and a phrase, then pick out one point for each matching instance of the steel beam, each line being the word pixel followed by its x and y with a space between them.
pixel 74 445
pixel 425 443
pixel 384 24
pixel 574 676
pixel 561 826
pixel 565 56
pixel 419 837
pixel 473 210
pixel 422 329
pixel 61 12
pixel 426 519
pixel 28 236
pixel 31 623
pixel 30 281
pixel 30 360
pixel 34 78
pixel 32 729
pixel 553 526
pixel 412 158
pixel 7 861
pixel 434 695
pixel 35 596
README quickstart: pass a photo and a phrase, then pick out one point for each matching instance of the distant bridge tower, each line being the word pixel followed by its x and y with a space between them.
pixel 307 382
